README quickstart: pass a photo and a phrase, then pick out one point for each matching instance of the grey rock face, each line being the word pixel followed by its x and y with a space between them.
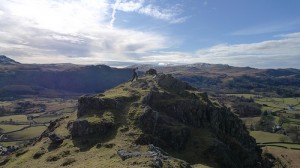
pixel 163 130
pixel 82 128
pixel 94 105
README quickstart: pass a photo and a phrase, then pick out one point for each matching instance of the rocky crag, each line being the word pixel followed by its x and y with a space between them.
pixel 152 122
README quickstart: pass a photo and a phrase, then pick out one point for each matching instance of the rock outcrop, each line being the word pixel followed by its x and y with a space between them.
pixel 83 128
pixel 94 105
pixel 170 115
pixel 162 130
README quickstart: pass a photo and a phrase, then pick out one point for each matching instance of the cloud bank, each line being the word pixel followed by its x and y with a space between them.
pixel 280 53
pixel 44 31
pixel 84 32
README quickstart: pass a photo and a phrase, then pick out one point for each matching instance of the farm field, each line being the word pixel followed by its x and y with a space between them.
pixel 261 136
pixel 288 157
pixel 27 133
pixel 286 113
pixel 14 118
pixel 5 128
pixel 290 105
pixel 32 119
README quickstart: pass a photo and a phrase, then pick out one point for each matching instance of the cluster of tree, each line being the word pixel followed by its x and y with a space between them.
pixel 4 111
pixel 285 86
pixel 265 123
pixel 22 107
pixel 245 107
pixel 294 133
pixel 10 121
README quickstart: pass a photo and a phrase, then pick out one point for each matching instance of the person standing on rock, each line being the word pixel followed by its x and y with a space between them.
pixel 135 74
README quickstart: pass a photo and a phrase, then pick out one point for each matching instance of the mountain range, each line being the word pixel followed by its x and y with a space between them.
pixel 61 80
pixel 225 79
pixel 57 80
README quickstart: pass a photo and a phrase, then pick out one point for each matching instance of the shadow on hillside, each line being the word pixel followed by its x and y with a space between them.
pixel 53 146
pixel 86 143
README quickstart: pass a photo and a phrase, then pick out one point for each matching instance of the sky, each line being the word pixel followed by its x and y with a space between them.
pixel 254 33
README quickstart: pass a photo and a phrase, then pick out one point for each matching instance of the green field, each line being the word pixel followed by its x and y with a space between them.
pixel 273 103
pixel 15 118
pixel 13 143
pixel 276 104
pixel 286 145
pixel 47 118
pixel 28 133
pixel 244 95
pixel 8 128
pixel 261 136
pixel 52 109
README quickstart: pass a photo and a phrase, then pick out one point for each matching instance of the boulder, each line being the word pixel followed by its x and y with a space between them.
pixel 151 72
pixel 55 138
pixel 170 83
pixel 124 154
pixel 159 158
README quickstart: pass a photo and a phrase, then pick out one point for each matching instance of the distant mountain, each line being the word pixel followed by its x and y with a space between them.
pixel 69 79
pixel 220 78
pixel 58 80
pixel 4 60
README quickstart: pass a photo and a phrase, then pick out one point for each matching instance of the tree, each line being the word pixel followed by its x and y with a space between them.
pixel 294 133
pixel 282 120
pixel 265 123
pixel 284 139
pixel 252 127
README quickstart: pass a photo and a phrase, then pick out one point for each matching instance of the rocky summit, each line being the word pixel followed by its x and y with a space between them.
pixel 152 122
pixel 7 61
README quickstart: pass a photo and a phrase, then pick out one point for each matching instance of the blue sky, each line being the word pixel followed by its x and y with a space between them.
pixel 255 33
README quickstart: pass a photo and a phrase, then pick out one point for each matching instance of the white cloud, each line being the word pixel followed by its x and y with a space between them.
pixel 281 53
pixel 58 16
pixel 44 31
pixel 41 31
pixel 139 6
pixel 129 6
pixel 154 11
pixel 268 28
